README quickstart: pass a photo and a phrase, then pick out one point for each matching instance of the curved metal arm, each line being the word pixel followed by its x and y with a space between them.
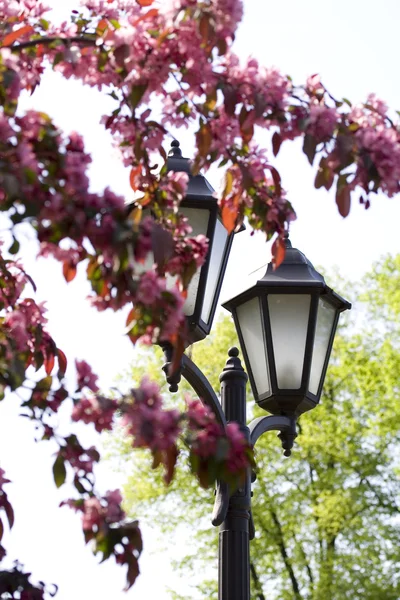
pixel 286 426
pixel 202 387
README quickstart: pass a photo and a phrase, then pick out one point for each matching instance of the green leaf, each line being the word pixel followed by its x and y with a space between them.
pixel 59 471
pixel 137 93
pixel 14 248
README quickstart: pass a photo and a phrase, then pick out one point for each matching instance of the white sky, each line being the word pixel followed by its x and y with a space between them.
pixel 354 46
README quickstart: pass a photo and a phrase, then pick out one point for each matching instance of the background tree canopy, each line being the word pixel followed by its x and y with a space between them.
pixel 327 519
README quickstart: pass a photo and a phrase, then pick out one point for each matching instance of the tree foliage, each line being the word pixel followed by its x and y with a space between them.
pixel 327 518
pixel 180 55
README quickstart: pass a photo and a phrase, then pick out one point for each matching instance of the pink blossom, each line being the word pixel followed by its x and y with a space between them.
pixel 322 122
pixel 150 288
pixel 147 422
pixel 92 514
pixel 99 411
pixel 114 512
pixel 314 86
pixel 86 377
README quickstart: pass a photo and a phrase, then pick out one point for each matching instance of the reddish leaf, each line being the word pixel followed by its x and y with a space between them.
pixel 310 147
pixel 229 218
pixel 134 315
pixel 101 27
pixel 205 28
pixel 49 364
pixel 133 569
pixel 153 12
pixel 62 361
pixel 179 348
pixel 69 271
pixel 204 139
pixel 14 35
pixel 170 459
pixel 276 143
pixel 162 244
pixel 278 252
pixel 121 53
pixel 228 184
pixel 144 2
pixel 343 199
pixel 135 171
pixel 277 180
pixel 9 510
pixel 230 99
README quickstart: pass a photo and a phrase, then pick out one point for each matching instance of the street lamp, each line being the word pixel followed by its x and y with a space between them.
pixel 200 206
pixel 286 323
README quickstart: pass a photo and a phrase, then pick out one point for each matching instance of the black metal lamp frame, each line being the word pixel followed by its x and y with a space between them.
pixel 296 275
pixel 232 512
pixel 198 328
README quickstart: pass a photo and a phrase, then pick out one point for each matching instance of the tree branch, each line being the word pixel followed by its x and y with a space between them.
pixel 256 581
pixel 85 40
pixel 284 554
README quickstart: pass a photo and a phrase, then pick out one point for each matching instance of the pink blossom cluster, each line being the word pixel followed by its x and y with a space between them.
pixel 322 122
pixel 173 188
pixel 264 88
pixel 81 460
pixel 188 251
pixel 99 512
pixel 266 206
pixel 147 422
pixel 378 147
pixel 158 311
pixel 86 377
pixel 97 410
pixel 18 8
pixel 210 441
pixel 23 322
pixel 126 131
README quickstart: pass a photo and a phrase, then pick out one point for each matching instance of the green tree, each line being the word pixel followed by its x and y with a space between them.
pixel 327 519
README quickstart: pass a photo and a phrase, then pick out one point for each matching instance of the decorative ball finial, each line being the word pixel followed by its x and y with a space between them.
pixel 288 243
pixel 233 352
pixel 175 149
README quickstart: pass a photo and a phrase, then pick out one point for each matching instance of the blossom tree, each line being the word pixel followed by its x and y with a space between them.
pixel 178 53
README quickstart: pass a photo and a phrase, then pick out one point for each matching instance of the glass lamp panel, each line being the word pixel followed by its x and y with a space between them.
pixel 251 327
pixel 289 316
pixel 325 322
pixel 198 219
pixel 214 270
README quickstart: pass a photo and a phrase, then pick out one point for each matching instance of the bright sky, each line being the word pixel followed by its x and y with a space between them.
pixel 354 46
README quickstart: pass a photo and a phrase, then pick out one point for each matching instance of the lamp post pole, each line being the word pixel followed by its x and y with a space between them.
pixel 286 324
pixel 234 551
pixel 232 512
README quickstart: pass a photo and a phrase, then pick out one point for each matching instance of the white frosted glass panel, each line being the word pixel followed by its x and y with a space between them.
pixel 325 319
pixel 198 219
pixel 289 314
pixel 217 253
pixel 250 323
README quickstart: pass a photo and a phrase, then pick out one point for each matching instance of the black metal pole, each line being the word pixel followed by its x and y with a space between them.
pixel 234 552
